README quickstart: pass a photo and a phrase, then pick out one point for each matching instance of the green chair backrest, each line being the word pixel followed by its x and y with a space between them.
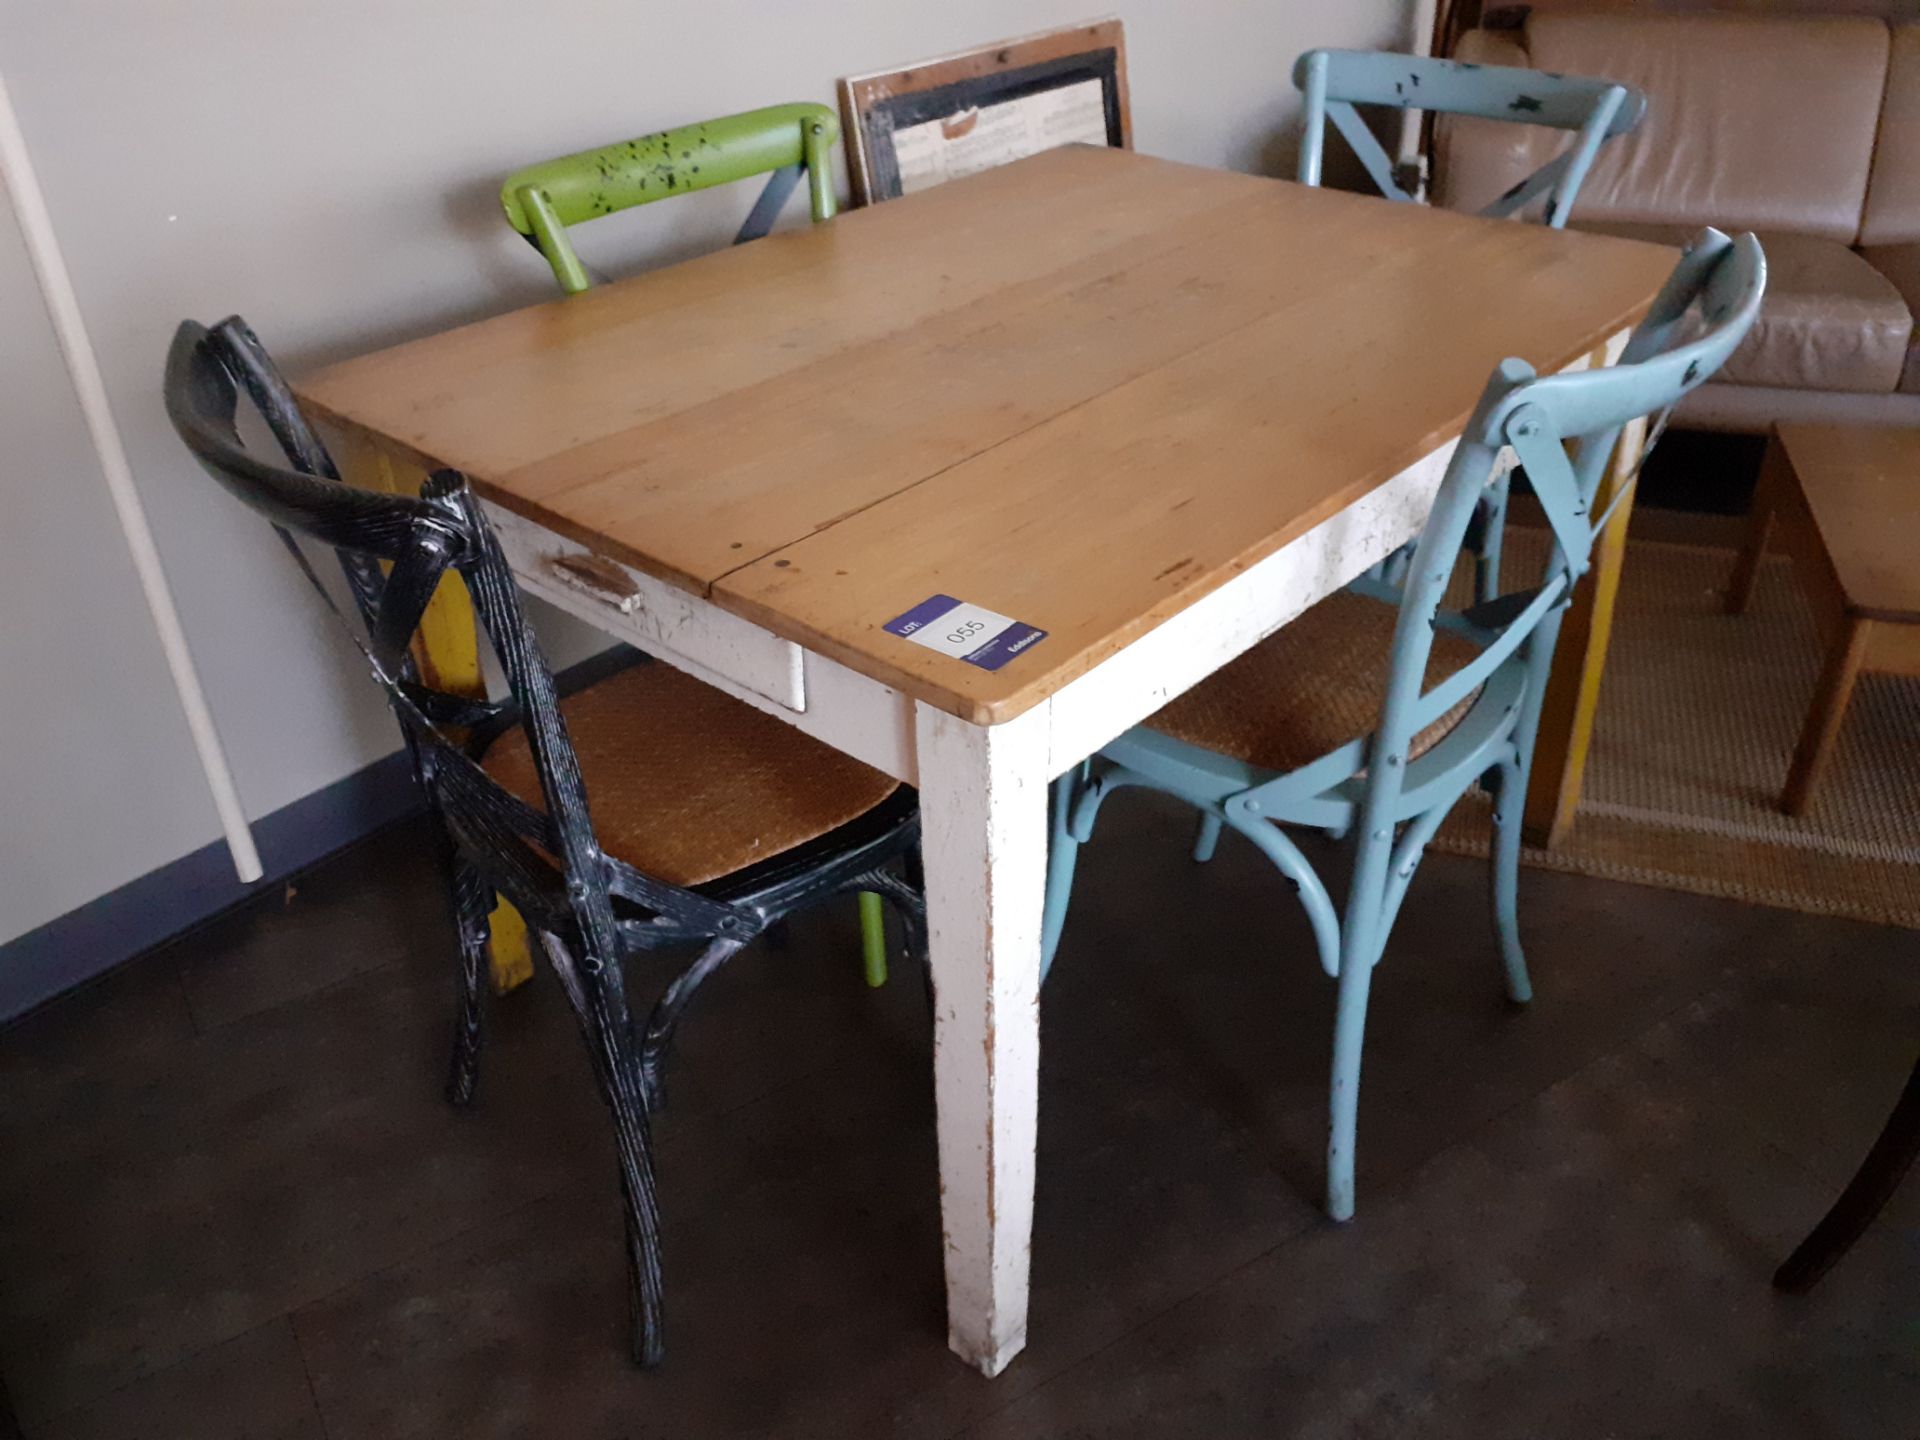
pixel 784 141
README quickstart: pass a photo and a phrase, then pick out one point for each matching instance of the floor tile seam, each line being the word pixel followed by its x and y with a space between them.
pixel 1812 1168
pixel 291 1313
pixel 208 1029
pixel 80 1407
pixel 411 1254
pixel 306 1371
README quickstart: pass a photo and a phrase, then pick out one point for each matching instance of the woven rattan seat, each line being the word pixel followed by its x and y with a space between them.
pixel 1312 686
pixel 687 784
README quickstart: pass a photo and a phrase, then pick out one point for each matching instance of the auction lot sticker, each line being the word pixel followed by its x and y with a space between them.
pixel 967 632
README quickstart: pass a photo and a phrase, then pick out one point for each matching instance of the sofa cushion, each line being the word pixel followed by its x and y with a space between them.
pixel 1752 123
pixel 1830 321
pixel 1901 265
pixel 1893 194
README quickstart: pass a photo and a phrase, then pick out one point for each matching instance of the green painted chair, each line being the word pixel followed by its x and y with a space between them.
pixel 1371 715
pixel 782 142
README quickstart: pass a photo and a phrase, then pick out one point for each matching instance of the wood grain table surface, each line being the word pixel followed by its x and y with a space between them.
pixel 1082 391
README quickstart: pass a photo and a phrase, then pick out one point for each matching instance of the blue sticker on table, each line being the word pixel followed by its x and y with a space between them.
pixel 966 632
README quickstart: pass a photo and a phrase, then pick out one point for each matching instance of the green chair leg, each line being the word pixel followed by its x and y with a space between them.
pixel 873 938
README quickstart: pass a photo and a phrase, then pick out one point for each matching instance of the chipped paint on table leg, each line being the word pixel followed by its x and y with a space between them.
pixel 983 805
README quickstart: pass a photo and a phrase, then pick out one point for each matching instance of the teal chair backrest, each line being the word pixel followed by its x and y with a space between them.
pixel 1563 429
pixel 1334 81
pixel 781 141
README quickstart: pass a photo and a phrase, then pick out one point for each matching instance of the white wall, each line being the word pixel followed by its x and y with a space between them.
pixel 95 758
pixel 328 169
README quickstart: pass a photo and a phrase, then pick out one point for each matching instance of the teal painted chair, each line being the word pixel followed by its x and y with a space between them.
pixel 783 142
pixel 1376 710
pixel 1334 81
pixel 1593 111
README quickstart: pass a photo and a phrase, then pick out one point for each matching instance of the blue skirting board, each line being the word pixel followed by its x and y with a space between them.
pixel 163 903
pixel 172 900
pixel 168 902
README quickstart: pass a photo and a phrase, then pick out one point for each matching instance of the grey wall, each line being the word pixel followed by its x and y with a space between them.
pixel 327 168
pixel 95 759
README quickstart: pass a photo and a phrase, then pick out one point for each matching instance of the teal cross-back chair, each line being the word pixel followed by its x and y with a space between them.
pixel 782 142
pixel 1594 111
pixel 1334 81
pixel 1375 711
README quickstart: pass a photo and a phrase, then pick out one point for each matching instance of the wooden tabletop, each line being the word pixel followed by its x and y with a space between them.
pixel 1080 391
pixel 1862 487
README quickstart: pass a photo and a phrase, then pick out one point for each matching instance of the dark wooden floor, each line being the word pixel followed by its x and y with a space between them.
pixel 232 1202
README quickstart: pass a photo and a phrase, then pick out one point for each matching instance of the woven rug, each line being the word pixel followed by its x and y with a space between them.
pixel 1698 717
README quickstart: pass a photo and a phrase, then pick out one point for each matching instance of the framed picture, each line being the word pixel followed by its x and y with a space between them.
pixel 913 128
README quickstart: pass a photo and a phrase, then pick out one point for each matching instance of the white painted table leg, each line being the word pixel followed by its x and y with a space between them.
pixel 983 798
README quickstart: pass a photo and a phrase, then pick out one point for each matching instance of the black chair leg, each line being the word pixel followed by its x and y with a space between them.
pixel 634 1140
pixel 1887 1163
pixel 471 904
pixel 594 990
pixel 667 1011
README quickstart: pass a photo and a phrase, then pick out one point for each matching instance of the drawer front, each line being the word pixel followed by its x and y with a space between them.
pixel 659 618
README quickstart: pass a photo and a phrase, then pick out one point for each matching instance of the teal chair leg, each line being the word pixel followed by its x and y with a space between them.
pixel 1362 939
pixel 873 938
pixel 1343 1120
pixel 1207 839
pixel 1509 801
pixel 1062 851
pixel 1509 796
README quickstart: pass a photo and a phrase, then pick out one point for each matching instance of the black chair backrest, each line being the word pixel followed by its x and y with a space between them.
pixel 395 550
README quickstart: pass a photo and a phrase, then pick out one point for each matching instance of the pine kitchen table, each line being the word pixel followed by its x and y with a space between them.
pixel 1147 412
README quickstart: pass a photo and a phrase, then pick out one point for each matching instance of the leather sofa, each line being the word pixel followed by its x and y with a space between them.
pixel 1803 130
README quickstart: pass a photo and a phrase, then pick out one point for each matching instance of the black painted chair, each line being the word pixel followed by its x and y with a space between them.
pixel 714 820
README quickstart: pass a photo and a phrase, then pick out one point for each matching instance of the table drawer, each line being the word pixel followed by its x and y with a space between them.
pixel 661 619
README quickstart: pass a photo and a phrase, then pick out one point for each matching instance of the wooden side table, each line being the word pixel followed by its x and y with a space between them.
pixel 1844 502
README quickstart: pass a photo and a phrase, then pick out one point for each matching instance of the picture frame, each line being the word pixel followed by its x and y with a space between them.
pixel 919 125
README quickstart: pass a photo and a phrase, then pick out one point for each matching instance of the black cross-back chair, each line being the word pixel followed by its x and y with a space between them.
pixel 591 910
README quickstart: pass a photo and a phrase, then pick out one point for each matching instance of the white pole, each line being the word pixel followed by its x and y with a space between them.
pixel 1423 18
pixel 56 287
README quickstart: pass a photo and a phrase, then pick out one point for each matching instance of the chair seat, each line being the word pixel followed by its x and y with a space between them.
pixel 687 784
pixel 1309 688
